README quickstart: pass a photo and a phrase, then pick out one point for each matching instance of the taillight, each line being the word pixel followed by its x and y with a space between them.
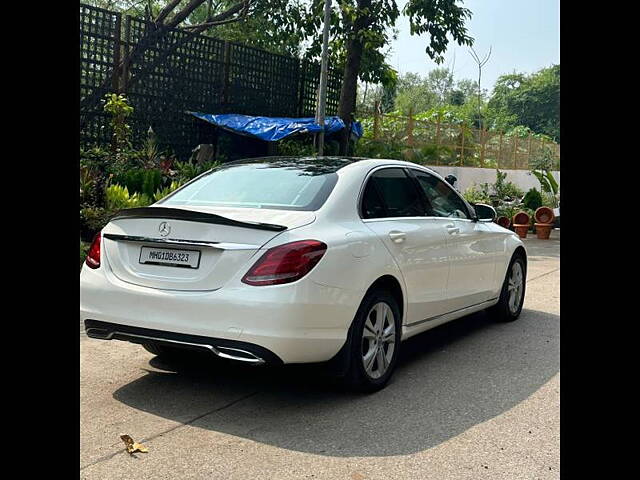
pixel 93 257
pixel 285 263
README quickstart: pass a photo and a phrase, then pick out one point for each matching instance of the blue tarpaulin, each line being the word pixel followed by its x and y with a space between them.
pixel 272 129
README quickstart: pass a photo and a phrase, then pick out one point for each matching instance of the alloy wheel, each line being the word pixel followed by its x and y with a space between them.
pixel 516 280
pixel 378 340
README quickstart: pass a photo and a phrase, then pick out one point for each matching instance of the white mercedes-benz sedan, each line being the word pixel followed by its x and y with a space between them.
pixel 298 260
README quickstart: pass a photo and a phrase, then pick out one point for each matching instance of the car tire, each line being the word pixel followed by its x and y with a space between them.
pixel 510 304
pixel 373 346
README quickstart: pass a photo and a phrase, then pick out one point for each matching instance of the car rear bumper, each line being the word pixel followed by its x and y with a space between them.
pixel 229 349
pixel 299 322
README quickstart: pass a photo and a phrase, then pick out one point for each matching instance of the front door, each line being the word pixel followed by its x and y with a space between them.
pixel 472 248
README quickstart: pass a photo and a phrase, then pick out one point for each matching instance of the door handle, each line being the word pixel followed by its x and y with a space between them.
pixel 451 228
pixel 397 236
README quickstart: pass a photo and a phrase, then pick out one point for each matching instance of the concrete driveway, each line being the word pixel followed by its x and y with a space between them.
pixel 471 399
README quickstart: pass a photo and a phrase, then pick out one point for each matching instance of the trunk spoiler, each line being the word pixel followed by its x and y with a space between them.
pixel 192 216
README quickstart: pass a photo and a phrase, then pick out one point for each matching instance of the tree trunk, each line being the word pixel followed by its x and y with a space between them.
pixel 348 91
pixel 350 77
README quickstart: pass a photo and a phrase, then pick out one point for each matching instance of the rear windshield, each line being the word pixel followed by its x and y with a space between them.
pixel 259 185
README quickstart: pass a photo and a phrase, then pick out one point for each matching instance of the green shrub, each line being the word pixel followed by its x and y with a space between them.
pixel 478 194
pixel 549 200
pixel 506 191
pixel 186 171
pixel 117 197
pixel 117 106
pixel 151 181
pixel 92 220
pixel 163 192
pixel 296 147
pixel 140 180
pixel 377 149
pixel 533 199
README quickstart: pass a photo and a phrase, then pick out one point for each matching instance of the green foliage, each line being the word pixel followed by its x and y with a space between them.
pixel 151 181
pixel 117 106
pixel 150 153
pixel 429 155
pixel 533 199
pixel 529 100
pixel 478 194
pixel 415 94
pixel 549 200
pixel 450 21
pixel 94 157
pixel 440 82
pixel 362 31
pixel 185 171
pixel 140 180
pixel 296 147
pixel 84 249
pixel 456 98
pixel 436 91
pixel 543 160
pixel 506 191
pixel 372 149
pixel 87 184
pixel 118 197
pixel 542 166
pixel 163 192
pixel 92 220
pixel 547 181
pixel 502 195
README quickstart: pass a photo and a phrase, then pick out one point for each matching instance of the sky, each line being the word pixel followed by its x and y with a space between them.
pixel 524 36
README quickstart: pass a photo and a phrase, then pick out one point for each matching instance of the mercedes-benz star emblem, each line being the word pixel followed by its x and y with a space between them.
pixel 164 228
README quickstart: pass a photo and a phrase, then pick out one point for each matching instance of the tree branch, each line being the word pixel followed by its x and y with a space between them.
pixel 184 13
pixel 224 17
pixel 203 26
pixel 167 10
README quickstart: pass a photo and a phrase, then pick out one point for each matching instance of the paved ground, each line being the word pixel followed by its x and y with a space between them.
pixel 470 400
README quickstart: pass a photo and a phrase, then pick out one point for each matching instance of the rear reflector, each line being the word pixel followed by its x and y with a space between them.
pixel 285 263
pixel 93 257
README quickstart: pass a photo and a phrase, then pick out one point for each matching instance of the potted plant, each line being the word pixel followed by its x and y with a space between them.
pixel 544 217
pixel 503 221
pixel 521 223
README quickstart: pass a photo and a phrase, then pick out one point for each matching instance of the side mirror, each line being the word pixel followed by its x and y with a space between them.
pixel 485 213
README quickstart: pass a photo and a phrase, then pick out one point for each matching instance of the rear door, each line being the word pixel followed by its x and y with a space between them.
pixel 471 245
pixel 394 209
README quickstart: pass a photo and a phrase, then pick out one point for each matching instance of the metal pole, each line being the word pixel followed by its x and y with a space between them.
pixel 324 67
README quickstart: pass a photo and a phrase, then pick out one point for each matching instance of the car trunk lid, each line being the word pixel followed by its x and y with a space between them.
pixel 148 246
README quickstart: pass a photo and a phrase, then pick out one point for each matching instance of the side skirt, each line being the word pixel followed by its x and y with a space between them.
pixel 428 323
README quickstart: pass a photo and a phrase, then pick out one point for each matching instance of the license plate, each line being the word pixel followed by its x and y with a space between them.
pixel 170 257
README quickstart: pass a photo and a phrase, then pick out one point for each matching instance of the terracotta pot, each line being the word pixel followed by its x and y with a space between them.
pixel 521 218
pixel 544 215
pixel 504 222
pixel 521 230
pixel 543 230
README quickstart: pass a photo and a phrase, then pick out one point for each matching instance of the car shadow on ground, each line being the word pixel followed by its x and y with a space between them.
pixel 448 380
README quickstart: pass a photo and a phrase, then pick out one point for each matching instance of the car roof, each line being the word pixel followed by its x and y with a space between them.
pixel 325 164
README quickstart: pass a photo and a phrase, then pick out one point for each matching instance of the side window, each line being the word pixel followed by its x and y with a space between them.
pixel 396 196
pixel 444 202
pixel 372 206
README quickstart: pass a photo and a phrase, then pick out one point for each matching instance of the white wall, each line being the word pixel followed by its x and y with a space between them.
pixel 467 176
